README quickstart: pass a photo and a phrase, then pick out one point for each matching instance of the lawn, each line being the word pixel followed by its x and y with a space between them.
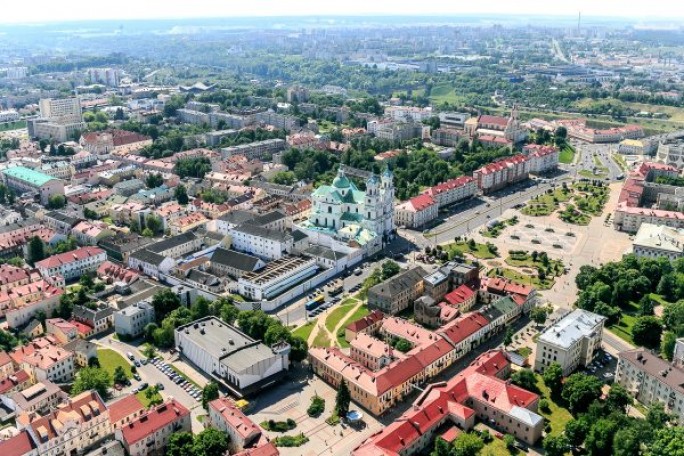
pixel 185 377
pixel 496 448
pixel 358 314
pixel 524 279
pixel 558 416
pixel 145 401
pixel 444 93
pixel 574 217
pixel 480 251
pixel 547 203
pixel 494 230
pixel 303 332
pixel 321 339
pixel 110 360
pixel 337 315
pixel 623 329
pixel 19 124
pixel 567 155
pixel 620 161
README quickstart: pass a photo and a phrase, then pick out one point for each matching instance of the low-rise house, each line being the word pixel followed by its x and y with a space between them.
pixel 110 273
pixel 61 222
pixel 125 410
pixel 416 212
pixel 6 365
pixel 50 363
pixel 18 381
pixel 150 432
pixel 24 302
pixel 83 351
pixel 63 330
pixel 368 325
pixel 21 444
pixel 90 233
pixel 94 321
pixel 12 276
pixel 186 223
pixel 242 432
pixel 131 321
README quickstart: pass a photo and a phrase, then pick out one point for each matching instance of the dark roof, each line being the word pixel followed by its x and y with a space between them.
pixel 655 367
pixel 269 217
pixel 260 231
pixel 147 256
pixel 122 242
pixel 237 217
pixel 299 235
pixel 64 218
pixel 395 285
pixel 324 252
pixel 85 313
pixel 197 276
pixel 79 344
pixel 172 242
pixel 234 259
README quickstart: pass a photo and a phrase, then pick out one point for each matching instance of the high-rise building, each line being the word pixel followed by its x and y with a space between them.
pixel 60 119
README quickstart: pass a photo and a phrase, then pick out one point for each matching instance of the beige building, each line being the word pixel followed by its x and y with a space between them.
pixel 243 433
pixel 570 342
pixel 416 212
pixel 398 293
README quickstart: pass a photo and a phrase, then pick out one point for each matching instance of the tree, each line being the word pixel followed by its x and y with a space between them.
pixel 90 214
pixel 181 194
pixel 180 444
pixel 442 448
pixel 656 416
pixel 92 378
pixel 154 223
pixel 618 398
pixel 468 444
pixel 538 315
pixel 209 393
pixel 86 281
pixel 152 395
pixel 599 439
pixel 647 331
pixel 667 442
pixel 164 302
pixel 627 441
pixel 525 378
pixel 553 378
pixel 120 375
pixel 668 345
pixel 210 442
pixel 508 337
pixel 403 345
pixel 580 390
pixel 342 400
pixel 154 180
pixel 556 445
pixel 56 202
pixel 390 269
pixel 509 441
pixel 149 351
pixel 7 340
pixel 673 317
pixel 36 250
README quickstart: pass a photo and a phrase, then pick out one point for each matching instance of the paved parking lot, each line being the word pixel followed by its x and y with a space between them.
pixel 537 236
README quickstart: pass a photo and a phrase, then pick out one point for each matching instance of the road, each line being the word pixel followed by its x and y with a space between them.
pixel 558 52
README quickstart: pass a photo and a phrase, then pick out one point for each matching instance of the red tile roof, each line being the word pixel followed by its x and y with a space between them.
pixel 69 257
pixel 495 120
pixel 267 449
pixel 13 380
pixel 450 185
pixel 18 445
pixel 125 407
pixel 463 327
pixel 421 202
pixel 460 295
pixel 363 323
pixel 152 421
pixel 502 164
pixel 233 416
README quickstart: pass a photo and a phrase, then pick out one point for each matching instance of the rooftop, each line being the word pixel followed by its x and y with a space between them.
pixel 154 420
pixel 567 331
pixel 28 175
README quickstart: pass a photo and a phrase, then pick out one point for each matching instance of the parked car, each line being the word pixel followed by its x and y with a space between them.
pixel 143 386
pixel 160 386
pixel 136 376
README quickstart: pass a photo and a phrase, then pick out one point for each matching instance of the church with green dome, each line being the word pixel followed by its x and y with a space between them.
pixel 345 212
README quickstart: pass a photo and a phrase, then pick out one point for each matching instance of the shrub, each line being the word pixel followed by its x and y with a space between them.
pixel 291 440
pixel 544 406
pixel 317 406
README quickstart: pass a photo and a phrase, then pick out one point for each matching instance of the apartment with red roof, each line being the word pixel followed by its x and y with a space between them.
pixel 416 212
pixel 480 392
pixel 22 303
pixel 150 432
pixel 15 382
pixel 63 330
pixel 244 434
pixel 72 264
pixel 499 174
pixel 6 365
pixel 19 445
pixel 125 410
pixel 453 190
pixel 50 363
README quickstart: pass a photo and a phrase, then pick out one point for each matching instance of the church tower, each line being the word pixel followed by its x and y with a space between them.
pixel 372 205
pixel 387 191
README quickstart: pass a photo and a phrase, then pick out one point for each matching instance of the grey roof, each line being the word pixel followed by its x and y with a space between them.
pixel 259 231
pixel 298 235
pixel 85 313
pixel 64 218
pixel 241 360
pixel 660 237
pixel 397 284
pixel 131 183
pixel 656 367
pixel 268 217
pixel 216 337
pixel 31 326
pixel 237 217
pixel 80 345
pixel 234 259
pixel 436 277
pixel 172 242
pixel 197 276
pixel 147 256
pixel 125 242
pixel 567 331
pixel 324 252
pixel 526 416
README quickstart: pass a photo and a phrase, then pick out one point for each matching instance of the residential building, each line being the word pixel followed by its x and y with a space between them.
pixel 6 366
pixel 41 398
pixel 542 158
pixel 91 233
pixel 453 191
pixel 578 129
pixel 18 381
pixel 397 293
pixel 150 263
pixel 83 351
pixel 447 137
pixel 259 149
pixel 132 320
pixel 59 119
pixel 416 212
pixel 241 364
pixel 50 363
pixel 73 264
pixel 656 241
pixel 26 180
pixel 263 242
pixel 276 277
pixel 651 380
pixel 570 342
pixel 61 222
pixel 499 174
pixel 366 325
pixel 478 392
pixel 22 303
pixel 63 330
pixel 93 321
pixel 12 276
pixel 125 410
pixel 150 432
pixel 243 433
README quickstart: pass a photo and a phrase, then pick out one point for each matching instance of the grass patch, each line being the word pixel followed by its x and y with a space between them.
pixel 290 441
pixel 444 93
pixel 557 416
pixel 110 360
pixel 333 419
pixel 185 377
pixel 357 315
pixel 336 316
pixel 659 299
pixel 623 329
pixel 303 332
pixel 155 399
pixel 479 251
pixel 620 161
pixel 522 259
pixel 7 126
pixel 322 339
pixel 547 203
pixel 496 447
pixel 590 174
pixel 524 351
pixel 567 154
pixel 524 279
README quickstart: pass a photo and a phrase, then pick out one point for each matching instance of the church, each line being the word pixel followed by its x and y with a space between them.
pixel 344 212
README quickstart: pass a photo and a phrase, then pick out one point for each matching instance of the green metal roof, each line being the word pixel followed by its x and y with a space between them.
pixel 28 175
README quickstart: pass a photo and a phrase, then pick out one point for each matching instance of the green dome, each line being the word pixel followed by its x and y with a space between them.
pixel 341 181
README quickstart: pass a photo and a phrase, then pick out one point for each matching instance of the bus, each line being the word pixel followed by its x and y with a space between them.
pixel 315 302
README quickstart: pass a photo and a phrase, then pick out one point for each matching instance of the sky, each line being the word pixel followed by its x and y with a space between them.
pixel 65 10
